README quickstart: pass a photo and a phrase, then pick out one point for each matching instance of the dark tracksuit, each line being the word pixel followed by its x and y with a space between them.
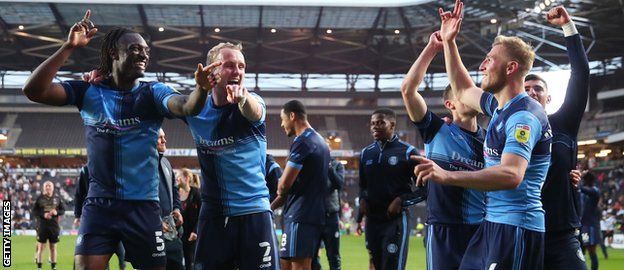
pixel 272 173
pixel 331 230
pixel 386 172
pixel 169 200
pixel 560 198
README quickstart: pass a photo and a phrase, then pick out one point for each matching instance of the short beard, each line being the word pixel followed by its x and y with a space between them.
pixel 496 86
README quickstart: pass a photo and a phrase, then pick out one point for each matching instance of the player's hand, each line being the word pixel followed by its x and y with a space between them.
pixel 165 227
pixel 558 16
pixel 447 120
pixel 81 32
pixel 205 78
pixel 93 77
pixel 236 93
pixel 575 177
pixel 53 212
pixel 427 170
pixel 177 216
pixel 359 230
pixel 47 215
pixel 278 202
pixel 435 42
pixel 192 237
pixel 76 222
pixel 451 21
pixel 394 209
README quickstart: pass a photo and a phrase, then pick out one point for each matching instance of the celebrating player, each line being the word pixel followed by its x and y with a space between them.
pixel 454 213
pixel 517 153
pixel 121 117
pixel 235 227
pixel 559 196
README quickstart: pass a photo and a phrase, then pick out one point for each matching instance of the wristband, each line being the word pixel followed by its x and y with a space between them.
pixel 569 29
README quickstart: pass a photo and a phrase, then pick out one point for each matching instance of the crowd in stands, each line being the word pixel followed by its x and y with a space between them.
pixel 23 189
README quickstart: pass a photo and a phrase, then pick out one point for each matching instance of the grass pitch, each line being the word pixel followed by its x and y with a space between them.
pixel 354 255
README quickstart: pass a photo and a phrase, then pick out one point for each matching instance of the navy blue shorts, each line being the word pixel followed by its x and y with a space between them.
pixel 106 222
pixel 562 250
pixel 242 242
pixel 590 235
pixel 300 240
pixel 497 246
pixel 446 244
pixel 387 241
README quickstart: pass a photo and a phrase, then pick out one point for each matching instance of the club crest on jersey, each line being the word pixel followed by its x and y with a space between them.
pixel 523 132
pixel 393 160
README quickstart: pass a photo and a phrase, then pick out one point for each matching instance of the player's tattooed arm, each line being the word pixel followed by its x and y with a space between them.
pixel 463 86
pixel 39 87
pixel 191 105
pixel 414 102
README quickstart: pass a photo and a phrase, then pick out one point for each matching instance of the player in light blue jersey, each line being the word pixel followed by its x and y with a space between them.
pixel 235 228
pixel 122 117
pixel 453 213
pixel 516 150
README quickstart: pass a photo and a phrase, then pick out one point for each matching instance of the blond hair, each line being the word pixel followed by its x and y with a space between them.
pixel 213 54
pixel 195 181
pixel 519 51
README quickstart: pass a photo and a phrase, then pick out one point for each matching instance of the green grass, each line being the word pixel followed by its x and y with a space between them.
pixel 354 255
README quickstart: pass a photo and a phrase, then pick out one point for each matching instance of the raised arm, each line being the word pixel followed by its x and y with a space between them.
pixel 191 105
pixel 414 102
pixel 39 87
pixel 571 112
pixel 463 86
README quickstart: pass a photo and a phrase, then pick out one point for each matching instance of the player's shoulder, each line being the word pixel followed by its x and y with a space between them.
pixel 368 148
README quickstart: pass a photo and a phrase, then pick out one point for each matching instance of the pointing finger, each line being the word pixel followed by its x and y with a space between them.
pixel 87 15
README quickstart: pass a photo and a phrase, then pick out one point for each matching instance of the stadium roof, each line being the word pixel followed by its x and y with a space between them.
pixel 304 39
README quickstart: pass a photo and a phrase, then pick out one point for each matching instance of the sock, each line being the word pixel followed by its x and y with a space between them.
pixel 594 261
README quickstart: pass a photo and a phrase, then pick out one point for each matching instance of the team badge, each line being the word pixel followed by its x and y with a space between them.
pixel 523 132
pixel 392 248
pixel 393 160
pixel 79 240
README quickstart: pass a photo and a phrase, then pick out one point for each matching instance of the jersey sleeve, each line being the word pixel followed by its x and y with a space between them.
pixel 429 126
pixel 488 104
pixel 162 93
pixel 298 153
pixel 75 91
pixel 263 104
pixel 522 132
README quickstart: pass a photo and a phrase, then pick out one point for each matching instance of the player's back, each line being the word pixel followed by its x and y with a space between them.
pixel 456 149
pixel 306 199
pixel 121 129
pixel 521 128
pixel 231 151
